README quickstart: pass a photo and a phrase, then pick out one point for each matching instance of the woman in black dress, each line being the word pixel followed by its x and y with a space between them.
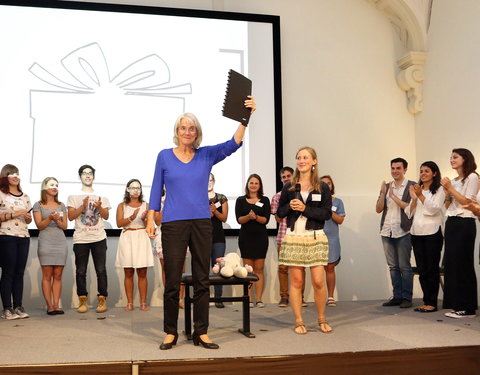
pixel 253 212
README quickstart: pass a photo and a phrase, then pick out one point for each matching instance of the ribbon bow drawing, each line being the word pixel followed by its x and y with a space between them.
pixel 89 69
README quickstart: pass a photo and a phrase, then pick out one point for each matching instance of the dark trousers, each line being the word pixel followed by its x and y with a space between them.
pixel 176 236
pixel 99 256
pixel 460 280
pixel 427 250
pixel 13 260
pixel 218 251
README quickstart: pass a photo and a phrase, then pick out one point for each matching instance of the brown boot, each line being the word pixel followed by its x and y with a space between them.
pixel 102 304
pixel 83 306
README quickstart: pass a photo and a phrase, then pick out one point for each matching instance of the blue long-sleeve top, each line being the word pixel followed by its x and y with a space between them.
pixel 186 183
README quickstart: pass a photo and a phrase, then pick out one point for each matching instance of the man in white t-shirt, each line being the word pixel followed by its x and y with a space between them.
pixel 89 211
pixel 395 232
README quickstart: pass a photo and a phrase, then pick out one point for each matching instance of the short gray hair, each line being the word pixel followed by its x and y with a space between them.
pixel 191 118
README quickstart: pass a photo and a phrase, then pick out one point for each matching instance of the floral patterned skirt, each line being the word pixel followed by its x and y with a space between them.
pixel 304 248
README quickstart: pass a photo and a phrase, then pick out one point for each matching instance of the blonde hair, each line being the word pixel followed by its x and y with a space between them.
pixel 191 118
pixel 314 179
pixel 43 191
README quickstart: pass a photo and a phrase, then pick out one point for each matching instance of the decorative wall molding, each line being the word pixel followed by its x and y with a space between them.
pixel 410 79
pixel 410 19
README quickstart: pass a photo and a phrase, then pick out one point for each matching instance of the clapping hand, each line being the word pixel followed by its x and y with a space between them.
pixel 418 190
pixel 252 215
pixel 412 192
pixel 98 204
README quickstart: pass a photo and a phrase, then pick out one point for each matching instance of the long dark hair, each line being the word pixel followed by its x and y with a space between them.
pixel 437 176
pixel 126 197
pixel 469 166
pixel 260 190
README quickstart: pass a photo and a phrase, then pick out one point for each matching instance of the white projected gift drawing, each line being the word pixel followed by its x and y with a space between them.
pixel 94 111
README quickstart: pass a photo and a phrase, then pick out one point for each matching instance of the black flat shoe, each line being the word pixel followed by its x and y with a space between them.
pixel 59 312
pixel 207 345
pixel 53 312
pixel 169 345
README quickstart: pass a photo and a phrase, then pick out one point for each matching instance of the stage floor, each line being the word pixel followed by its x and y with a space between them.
pixel 135 336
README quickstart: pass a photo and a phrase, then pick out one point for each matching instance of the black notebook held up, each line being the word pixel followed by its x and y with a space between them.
pixel 238 88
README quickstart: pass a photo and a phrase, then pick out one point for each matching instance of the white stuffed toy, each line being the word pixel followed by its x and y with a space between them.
pixel 231 265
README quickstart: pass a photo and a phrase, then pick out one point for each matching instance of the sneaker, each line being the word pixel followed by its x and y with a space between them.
pixel 331 302
pixel 260 304
pixel 251 305
pixel 405 304
pixel 9 314
pixel 304 304
pixel 20 311
pixel 283 302
pixel 393 302
pixel 460 314
pixel 219 305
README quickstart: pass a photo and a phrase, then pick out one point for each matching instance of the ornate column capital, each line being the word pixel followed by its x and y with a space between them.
pixel 410 79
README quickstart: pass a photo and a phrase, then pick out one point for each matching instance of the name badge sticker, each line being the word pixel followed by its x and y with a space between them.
pixel 217 204
pixel 259 204
pixel 334 208
pixel 316 197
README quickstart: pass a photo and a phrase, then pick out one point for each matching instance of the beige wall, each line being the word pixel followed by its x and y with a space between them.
pixel 340 97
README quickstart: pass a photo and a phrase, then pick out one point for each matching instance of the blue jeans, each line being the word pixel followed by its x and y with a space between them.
pixel 218 251
pixel 397 253
pixel 99 255
pixel 13 260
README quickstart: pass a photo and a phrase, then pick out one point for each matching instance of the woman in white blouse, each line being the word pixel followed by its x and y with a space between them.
pixel 460 231
pixel 426 232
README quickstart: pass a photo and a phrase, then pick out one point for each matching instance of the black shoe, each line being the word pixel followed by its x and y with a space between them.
pixel 53 312
pixel 424 310
pixel 59 312
pixel 207 345
pixel 219 305
pixel 393 302
pixel 406 303
pixel 169 345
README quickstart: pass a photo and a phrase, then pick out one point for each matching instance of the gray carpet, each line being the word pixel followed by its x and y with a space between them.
pixel 135 336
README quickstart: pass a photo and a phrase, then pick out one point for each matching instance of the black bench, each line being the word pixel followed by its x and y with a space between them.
pixel 216 279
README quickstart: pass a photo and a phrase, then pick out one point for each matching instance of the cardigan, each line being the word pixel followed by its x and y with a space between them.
pixel 316 211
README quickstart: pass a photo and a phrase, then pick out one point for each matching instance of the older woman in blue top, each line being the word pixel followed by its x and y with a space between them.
pixel 184 172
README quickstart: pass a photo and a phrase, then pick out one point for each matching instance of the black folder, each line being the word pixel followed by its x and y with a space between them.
pixel 238 88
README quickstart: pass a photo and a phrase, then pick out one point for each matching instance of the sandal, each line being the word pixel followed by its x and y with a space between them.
pixel 301 328
pixel 144 307
pixel 324 323
pixel 181 303
pixel 129 307
pixel 331 302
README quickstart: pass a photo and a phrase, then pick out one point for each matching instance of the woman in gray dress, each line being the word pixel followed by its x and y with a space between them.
pixel 50 216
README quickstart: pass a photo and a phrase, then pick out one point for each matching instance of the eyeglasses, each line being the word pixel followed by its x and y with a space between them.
pixel 190 129
pixel 87 173
pixel 134 188
pixel 13 175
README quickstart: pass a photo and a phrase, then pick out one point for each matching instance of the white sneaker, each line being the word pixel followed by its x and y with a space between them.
pixel 459 314
pixel 251 305
pixel 260 304
pixel 20 311
pixel 8 314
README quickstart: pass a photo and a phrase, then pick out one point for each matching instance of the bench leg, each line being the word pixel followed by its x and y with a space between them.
pixel 188 313
pixel 246 314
